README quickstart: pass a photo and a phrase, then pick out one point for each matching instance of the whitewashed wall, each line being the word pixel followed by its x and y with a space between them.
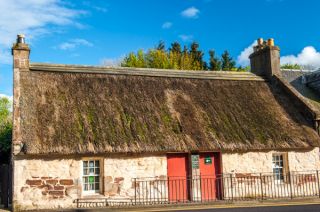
pixel 257 162
pixel 56 183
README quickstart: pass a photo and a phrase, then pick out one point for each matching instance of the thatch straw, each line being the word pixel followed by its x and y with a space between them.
pixel 68 113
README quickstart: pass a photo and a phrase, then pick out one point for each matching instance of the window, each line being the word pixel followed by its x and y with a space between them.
pixel 91 176
pixel 278 167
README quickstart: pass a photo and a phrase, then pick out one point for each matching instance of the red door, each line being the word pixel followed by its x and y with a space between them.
pixel 208 170
pixel 177 177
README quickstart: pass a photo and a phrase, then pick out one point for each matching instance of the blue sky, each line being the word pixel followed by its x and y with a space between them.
pixel 100 32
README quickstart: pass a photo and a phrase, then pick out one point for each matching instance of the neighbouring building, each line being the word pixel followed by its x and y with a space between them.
pixel 306 82
pixel 86 134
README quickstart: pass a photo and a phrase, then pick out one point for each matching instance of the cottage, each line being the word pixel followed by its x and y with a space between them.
pixel 98 135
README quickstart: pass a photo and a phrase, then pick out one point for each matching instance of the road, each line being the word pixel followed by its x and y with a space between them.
pixel 293 208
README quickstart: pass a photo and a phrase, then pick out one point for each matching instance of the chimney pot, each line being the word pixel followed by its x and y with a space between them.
pixel 20 38
pixel 271 42
pixel 260 41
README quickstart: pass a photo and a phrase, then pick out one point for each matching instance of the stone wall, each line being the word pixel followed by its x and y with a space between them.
pixel 44 184
pixel 249 175
pixel 257 162
pixel 119 173
pixel 40 184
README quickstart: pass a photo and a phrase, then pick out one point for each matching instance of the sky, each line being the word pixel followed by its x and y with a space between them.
pixel 101 32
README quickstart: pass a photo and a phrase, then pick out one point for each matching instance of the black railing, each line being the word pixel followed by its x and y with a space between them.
pixel 232 187
pixel 227 187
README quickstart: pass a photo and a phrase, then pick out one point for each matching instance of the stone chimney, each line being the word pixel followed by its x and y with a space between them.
pixel 265 60
pixel 20 52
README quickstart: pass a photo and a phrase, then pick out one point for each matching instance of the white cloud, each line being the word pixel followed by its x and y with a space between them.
pixel 167 25
pixel 6 96
pixel 190 12
pixel 74 43
pixel 95 7
pixel 33 18
pixel 243 58
pixel 186 38
pixel 308 57
pixel 112 62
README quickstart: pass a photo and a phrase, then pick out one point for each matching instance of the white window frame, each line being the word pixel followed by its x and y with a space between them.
pixel 93 174
pixel 278 163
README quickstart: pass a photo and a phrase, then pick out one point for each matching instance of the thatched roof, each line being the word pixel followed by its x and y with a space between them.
pixel 67 110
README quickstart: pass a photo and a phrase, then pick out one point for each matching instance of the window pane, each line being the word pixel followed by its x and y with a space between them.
pixel 97 171
pixel 85 171
pixel 91 171
pixel 85 163
pixel 91 163
pixel 97 186
pixel 86 187
pixel 91 186
pixel 97 163
pixel 86 180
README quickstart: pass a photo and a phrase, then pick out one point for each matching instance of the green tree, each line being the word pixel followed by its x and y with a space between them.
pixel 243 69
pixel 175 58
pixel 196 56
pixel 134 60
pixel 291 66
pixel 175 55
pixel 161 46
pixel 214 62
pixel 227 62
pixel 5 125
pixel 186 60
pixel 157 59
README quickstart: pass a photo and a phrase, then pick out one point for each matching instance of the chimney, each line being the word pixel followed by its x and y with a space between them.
pixel 20 52
pixel 265 60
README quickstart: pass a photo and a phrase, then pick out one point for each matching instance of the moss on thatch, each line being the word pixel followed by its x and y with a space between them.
pixel 69 113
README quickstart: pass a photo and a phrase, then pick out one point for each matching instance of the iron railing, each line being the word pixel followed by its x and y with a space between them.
pixel 232 187
pixel 227 187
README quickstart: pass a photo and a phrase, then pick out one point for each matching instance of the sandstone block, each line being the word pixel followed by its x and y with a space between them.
pixel 34 182
pixel 52 182
pixel 46 178
pixel 108 179
pixel 72 191
pixel 111 189
pixel 118 179
pixel 58 187
pixel 46 187
pixel 56 193
pixel 66 182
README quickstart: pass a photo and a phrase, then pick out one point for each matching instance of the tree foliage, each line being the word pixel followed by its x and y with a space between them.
pixel 5 125
pixel 291 66
pixel 214 62
pixel 188 58
pixel 227 63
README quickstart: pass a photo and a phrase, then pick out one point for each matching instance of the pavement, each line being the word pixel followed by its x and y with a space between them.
pixel 310 205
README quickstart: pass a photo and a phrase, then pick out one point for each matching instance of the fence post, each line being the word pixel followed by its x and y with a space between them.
pixel 318 182
pixel 4 185
pixel 261 187
pixel 290 180
pixel 135 191
pixel 231 187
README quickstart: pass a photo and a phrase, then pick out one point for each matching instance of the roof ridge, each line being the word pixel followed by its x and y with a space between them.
pixel 62 68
